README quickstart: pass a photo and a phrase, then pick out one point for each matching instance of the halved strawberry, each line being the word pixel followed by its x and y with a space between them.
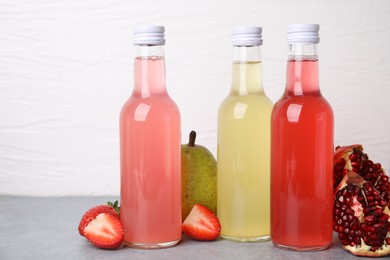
pixel 202 224
pixel 110 208
pixel 105 231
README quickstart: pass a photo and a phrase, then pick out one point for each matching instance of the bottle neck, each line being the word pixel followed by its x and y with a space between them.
pixel 149 71
pixel 247 73
pixel 302 70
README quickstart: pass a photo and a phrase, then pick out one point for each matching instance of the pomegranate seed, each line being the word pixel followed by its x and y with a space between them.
pixel 370 229
pixel 371 203
pixel 354 164
pixel 369 218
pixel 354 225
pixel 371 235
pixel 352 156
pixel 378 212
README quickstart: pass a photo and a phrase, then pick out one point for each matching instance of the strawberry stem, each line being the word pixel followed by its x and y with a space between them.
pixel 115 206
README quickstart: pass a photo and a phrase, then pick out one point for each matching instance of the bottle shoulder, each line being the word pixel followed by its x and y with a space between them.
pixel 303 99
pixel 161 104
pixel 252 100
pixel 245 107
pixel 308 104
pixel 159 99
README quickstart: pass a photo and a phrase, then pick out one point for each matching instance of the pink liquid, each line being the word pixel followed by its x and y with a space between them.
pixel 302 162
pixel 150 160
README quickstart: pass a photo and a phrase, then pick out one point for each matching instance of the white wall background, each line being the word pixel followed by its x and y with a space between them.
pixel 66 68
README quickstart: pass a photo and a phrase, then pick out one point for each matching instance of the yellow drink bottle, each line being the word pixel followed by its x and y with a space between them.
pixel 243 155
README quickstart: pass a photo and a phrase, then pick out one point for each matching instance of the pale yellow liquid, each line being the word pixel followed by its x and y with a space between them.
pixel 243 157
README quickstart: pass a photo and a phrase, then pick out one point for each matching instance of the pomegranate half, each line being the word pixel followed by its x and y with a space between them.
pixel 361 207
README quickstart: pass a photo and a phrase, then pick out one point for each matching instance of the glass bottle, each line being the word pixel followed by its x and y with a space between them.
pixel 243 153
pixel 150 139
pixel 302 151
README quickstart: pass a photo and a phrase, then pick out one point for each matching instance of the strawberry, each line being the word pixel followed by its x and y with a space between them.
pixel 201 224
pixel 102 227
pixel 110 208
pixel 105 231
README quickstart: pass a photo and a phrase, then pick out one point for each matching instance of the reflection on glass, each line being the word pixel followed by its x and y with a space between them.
pixel 239 110
pixel 141 112
pixel 293 113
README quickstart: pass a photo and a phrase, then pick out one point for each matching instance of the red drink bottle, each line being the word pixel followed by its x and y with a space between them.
pixel 302 151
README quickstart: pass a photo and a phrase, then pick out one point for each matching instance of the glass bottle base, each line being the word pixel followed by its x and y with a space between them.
pixel 153 245
pixel 246 239
pixel 298 248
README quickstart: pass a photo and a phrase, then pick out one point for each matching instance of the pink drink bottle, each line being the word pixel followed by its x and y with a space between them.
pixel 302 151
pixel 150 140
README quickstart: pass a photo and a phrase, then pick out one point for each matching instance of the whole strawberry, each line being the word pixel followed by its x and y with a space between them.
pixel 101 225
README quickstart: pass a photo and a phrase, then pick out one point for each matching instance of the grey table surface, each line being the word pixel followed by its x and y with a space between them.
pixel 46 228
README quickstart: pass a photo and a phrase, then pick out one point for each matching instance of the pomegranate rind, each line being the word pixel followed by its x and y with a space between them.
pixel 364 250
pixel 345 151
pixel 350 178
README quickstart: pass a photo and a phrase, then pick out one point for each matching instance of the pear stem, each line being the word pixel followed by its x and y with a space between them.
pixel 191 142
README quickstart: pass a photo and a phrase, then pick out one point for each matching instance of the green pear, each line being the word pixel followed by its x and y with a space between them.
pixel 199 177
